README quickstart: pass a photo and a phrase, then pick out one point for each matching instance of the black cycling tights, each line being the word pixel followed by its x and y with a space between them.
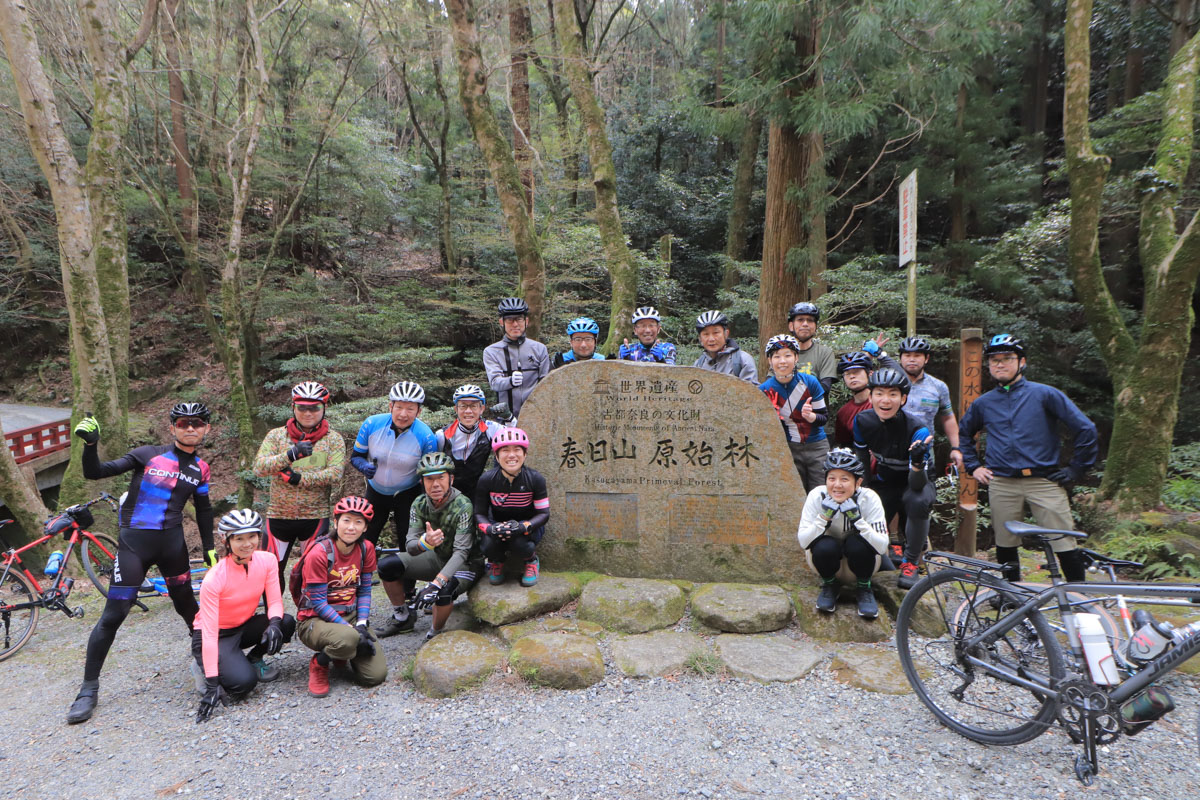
pixel 498 550
pixel 237 674
pixel 828 552
pixel 137 551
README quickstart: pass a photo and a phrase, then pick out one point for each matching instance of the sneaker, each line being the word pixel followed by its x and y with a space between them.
pixel 827 599
pixel 908 575
pixel 85 703
pixel 266 671
pixel 394 626
pixel 198 676
pixel 896 552
pixel 318 678
pixel 531 572
pixel 432 633
pixel 867 607
pixel 495 572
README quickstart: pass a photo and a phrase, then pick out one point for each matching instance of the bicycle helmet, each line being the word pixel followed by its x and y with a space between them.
pixel 889 379
pixel 781 341
pixel 310 392
pixel 240 520
pixel 407 392
pixel 915 344
pixel 469 391
pixel 435 463
pixel 1004 343
pixel 646 312
pixel 583 325
pixel 513 307
pixel 856 360
pixel 353 504
pixel 180 410
pixel 711 318
pixel 841 458
pixel 507 436
pixel 805 309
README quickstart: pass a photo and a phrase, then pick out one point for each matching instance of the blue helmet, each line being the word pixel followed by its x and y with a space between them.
pixel 856 360
pixel 583 325
pixel 1004 343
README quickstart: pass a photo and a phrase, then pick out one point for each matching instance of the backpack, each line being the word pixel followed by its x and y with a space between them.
pixel 296 578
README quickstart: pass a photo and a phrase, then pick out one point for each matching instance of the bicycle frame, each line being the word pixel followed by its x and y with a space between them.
pixel 13 556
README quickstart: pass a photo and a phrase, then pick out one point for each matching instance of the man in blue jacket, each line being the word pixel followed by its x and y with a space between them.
pixel 1021 420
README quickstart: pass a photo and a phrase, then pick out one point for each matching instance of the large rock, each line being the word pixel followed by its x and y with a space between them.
pixel 657 471
pixel 632 605
pixel 927 619
pixel 512 602
pixel 870 669
pixel 454 661
pixel 650 654
pixel 519 630
pixel 767 658
pixel 742 607
pixel 560 660
pixel 844 625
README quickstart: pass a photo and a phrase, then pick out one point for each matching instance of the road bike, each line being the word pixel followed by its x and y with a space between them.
pixel 22 596
pixel 1000 663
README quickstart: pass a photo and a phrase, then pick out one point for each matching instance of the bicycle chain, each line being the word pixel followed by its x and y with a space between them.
pixel 1080 698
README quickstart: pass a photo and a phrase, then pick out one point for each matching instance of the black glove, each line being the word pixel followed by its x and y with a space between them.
pixel 214 696
pixel 290 477
pixel 366 647
pixel 1063 476
pixel 301 449
pixel 428 596
pixel 88 429
pixel 829 507
pixel 917 451
pixel 489 529
pixel 272 637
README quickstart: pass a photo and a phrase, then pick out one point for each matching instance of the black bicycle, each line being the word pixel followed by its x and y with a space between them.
pixel 1000 663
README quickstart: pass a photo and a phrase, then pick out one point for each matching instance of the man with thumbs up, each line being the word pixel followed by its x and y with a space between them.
pixel 441 548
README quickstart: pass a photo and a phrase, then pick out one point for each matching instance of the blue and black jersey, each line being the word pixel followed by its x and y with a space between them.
pixel 394 454
pixel 888 441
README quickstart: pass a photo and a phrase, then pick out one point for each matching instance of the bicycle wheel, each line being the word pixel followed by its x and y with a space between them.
pixel 98 561
pixel 18 624
pixel 964 696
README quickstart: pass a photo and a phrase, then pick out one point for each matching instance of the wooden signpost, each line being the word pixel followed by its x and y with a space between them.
pixel 970 387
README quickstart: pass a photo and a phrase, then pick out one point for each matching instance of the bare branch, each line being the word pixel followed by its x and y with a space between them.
pixel 149 14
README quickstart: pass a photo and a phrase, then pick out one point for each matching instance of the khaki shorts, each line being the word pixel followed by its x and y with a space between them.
pixel 1047 501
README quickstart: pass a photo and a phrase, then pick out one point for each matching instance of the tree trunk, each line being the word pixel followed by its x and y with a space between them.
pixel 743 191
pixel 20 494
pixel 520 36
pixel 1135 57
pixel 472 91
pixel 180 154
pixel 622 269
pixel 1181 28
pixel 958 202
pixel 93 375
pixel 1037 88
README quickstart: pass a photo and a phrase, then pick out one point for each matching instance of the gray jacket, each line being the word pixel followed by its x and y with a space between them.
pixel 732 361
pixel 505 357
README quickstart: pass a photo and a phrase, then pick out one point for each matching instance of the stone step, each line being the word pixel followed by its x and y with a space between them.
pixel 558 660
pixel 741 607
pixel 647 655
pixel 632 605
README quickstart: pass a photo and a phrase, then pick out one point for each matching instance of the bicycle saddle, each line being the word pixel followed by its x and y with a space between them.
pixel 1025 529
pixel 1100 558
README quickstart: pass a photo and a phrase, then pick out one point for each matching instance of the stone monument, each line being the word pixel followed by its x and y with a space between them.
pixel 657 471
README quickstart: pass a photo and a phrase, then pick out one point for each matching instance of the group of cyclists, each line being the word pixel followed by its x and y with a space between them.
pixel 456 520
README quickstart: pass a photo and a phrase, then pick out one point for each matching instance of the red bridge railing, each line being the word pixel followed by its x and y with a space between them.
pixel 27 444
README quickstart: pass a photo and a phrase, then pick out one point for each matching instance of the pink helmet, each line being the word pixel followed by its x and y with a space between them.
pixel 507 436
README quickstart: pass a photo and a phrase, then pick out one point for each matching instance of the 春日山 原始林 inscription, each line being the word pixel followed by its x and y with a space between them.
pixel 658 471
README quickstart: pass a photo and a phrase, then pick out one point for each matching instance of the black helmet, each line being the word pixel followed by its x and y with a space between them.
pixel 914 344
pixel 842 458
pixel 889 378
pixel 513 307
pixel 856 360
pixel 1004 343
pixel 180 410
pixel 805 309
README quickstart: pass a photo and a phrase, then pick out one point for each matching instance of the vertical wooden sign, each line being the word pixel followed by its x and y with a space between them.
pixel 970 387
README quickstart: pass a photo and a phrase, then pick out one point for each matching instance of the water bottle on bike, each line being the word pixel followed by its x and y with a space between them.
pixel 54 563
pixel 1153 638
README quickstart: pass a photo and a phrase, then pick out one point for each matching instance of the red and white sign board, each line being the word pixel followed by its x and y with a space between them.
pixel 908 218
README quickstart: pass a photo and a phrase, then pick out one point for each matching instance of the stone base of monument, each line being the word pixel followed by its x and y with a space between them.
pixel 559 660
pixel 632 605
pixel 741 607
pixel 870 669
pixel 454 661
pixel 648 655
pixel 844 625
pixel 512 602
pixel 767 658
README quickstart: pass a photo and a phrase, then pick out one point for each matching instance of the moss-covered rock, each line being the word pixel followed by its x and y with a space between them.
pixel 519 630
pixel 454 661
pixel 742 607
pixel 844 625
pixel 767 658
pixel 632 605
pixel 649 654
pixel 560 660
pixel 512 602
pixel 927 619
pixel 870 669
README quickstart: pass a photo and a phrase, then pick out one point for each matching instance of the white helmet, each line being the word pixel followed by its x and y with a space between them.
pixel 240 520
pixel 469 390
pixel 407 391
pixel 646 312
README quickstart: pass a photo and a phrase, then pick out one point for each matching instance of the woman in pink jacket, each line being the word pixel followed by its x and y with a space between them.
pixel 227 623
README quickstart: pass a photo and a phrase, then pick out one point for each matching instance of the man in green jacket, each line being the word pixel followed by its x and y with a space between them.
pixel 442 548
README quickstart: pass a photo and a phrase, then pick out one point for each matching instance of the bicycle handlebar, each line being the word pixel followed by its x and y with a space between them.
pixel 104 497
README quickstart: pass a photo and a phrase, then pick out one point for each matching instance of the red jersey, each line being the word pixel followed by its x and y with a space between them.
pixel 343 579
pixel 843 429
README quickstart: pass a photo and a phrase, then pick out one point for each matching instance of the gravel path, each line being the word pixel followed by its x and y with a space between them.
pixel 683 737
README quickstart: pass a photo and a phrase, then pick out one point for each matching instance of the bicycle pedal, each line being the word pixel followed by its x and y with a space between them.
pixel 77 612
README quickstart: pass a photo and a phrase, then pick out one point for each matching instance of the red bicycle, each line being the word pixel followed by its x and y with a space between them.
pixel 22 598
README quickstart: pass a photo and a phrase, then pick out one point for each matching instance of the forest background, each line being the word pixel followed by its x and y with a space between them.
pixel 212 199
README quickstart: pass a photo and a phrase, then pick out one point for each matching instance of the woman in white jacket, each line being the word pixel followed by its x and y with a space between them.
pixel 843 520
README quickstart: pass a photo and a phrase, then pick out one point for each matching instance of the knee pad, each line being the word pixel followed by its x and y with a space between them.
pixel 391 568
pixel 446 595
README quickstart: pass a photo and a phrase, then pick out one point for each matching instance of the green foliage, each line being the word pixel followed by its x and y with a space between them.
pixel 1136 542
pixel 1182 489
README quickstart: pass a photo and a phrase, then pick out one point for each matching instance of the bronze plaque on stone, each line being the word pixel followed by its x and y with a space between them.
pixel 658 471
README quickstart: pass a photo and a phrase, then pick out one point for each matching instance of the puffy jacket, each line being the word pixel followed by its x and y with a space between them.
pixel 732 360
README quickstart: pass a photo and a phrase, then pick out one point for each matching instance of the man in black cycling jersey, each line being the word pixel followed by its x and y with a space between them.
pixel 151 534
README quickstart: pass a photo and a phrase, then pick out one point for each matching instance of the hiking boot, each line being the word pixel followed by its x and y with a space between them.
pixel 394 626
pixel 867 607
pixel 827 599
pixel 531 572
pixel 318 678
pixel 85 703
pixel 495 572
pixel 266 671
pixel 1011 571
pixel 198 677
pixel 908 575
